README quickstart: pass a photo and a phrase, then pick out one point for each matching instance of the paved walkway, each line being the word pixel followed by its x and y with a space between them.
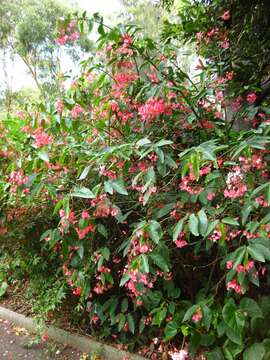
pixel 16 343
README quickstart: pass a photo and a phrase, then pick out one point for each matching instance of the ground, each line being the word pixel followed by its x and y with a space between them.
pixel 16 343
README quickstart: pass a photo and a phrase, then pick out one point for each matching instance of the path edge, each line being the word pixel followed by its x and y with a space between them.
pixel 79 342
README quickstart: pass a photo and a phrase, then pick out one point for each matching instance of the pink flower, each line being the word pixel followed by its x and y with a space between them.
pixel 45 337
pixel 251 98
pixel 225 44
pixel 235 185
pixel 236 104
pixel 226 16
pixel 211 196
pixel 197 316
pixel 59 105
pixel 77 291
pixel 250 265
pixel 218 115
pixel 154 107
pixel 240 268
pixel 216 235
pixel 181 355
pixel 42 139
pixel 76 111
pixel 114 211
pixel 144 249
pixel 85 214
pixel 229 265
pixel 229 75
pixel 21 114
pixel 94 319
pixel 200 36
pixel 233 284
pixel 181 243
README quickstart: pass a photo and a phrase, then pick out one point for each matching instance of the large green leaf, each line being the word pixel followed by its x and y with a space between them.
pixel 83 192
pixel 254 352
pixel 193 225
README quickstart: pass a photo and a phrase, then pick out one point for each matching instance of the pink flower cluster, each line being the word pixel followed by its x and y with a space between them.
pixel 187 182
pixel 125 48
pixel 138 278
pixel 181 242
pixel 41 138
pixel 68 35
pixel 123 79
pixel 180 355
pixel 83 232
pixel 77 111
pixel 59 105
pixel 251 98
pixel 241 268
pixel 21 114
pixel 111 174
pixel 233 285
pixel 216 235
pixel 237 103
pixel 235 185
pixel 100 287
pixel 154 107
pixel 104 209
pixel 197 316
pixel 17 178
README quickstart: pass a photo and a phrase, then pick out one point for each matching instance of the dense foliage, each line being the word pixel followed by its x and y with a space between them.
pixel 136 195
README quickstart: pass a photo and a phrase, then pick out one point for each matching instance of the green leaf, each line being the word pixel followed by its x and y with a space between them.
pixel 143 142
pixel 80 251
pixel 3 288
pixel 250 307
pixel 230 221
pixel 102 230
pixel 124 279
pixel 203 226
pixel 163 142
pixel 193 225
pixel 171 329
pixel 159 316
pixel 118 186
pixel 190 312
pixel 260 188
pixel 215 355
pixel 145 264
pixel 131 323
pixel 154 229
pixel 122 321
pixel 256 252
pixel 108 187
pixel 85 172
pixel 165 210
pixel 160 261
pixel 43 155
pixel 234 320
pixel 196 165
pixel 254 352
pixel 178 228
pixel 83 192
pixel 207 316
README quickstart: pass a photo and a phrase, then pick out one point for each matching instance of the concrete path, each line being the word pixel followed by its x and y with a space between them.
pixel 16 344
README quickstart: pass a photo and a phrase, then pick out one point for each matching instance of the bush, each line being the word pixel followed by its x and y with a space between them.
pixel 135 186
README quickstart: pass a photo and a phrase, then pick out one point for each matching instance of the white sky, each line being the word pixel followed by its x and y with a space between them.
pixel 17 70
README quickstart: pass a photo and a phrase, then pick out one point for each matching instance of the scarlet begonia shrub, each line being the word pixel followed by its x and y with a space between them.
pixel 136 188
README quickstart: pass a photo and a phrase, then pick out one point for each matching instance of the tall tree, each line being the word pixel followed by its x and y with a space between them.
pixel 147 14
pixel 27 29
